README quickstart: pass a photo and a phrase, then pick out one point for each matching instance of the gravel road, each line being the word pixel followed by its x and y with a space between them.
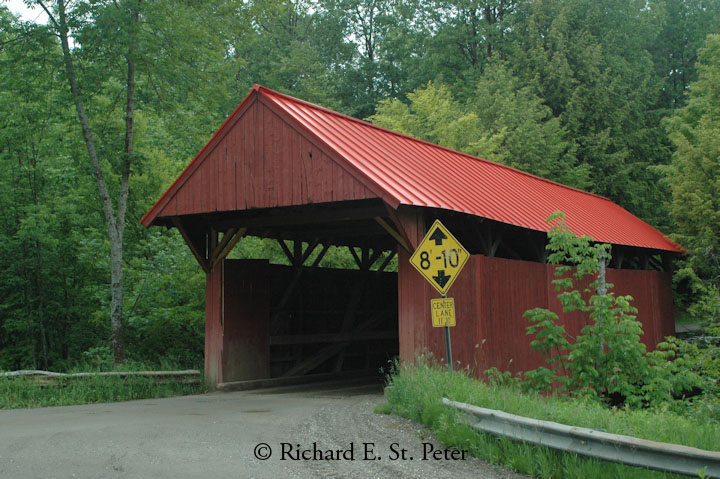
pixel 217 435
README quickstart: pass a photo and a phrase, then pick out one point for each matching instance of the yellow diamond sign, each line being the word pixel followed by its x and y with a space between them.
pixel 439 257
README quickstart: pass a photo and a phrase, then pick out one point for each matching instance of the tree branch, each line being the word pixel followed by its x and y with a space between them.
pixel 50 15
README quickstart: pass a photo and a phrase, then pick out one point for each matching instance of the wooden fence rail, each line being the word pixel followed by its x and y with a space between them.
pixel 188 376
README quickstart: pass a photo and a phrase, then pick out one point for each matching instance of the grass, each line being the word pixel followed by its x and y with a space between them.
pixel 417 392
pixel 24 392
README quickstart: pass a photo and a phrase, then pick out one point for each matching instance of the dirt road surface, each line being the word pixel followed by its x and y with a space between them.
pixel 219 434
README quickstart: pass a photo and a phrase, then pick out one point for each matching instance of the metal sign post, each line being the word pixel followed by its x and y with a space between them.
pixel 448 348
pixel 439 258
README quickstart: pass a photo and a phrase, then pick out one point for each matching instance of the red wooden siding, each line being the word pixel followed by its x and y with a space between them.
pixel 262 161
pixel 246 325
pixel 491 296
pixel 213 325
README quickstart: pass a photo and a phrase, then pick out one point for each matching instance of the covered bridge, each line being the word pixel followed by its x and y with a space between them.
pixel 312 178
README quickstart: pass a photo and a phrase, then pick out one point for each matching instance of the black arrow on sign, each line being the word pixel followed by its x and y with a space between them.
pixel 441 278
pixel 438 237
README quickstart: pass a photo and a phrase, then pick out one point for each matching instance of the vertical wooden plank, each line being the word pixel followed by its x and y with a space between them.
pixel 337 182
pixel 211 186
pixel 240 151
pixel 225 174
pixel 314 156
pixel 480 315
pixel 270 158
pixel 253 161
pixel 327 179
pixel 297 169
pixel 213 326
pixel 246 338
pixel 285 187
pixel 207 195
pixel 194 191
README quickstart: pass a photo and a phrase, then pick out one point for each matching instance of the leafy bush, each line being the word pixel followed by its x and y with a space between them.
pixel 607 360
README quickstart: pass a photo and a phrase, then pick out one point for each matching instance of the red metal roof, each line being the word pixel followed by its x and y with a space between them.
pixel 413 172
pixel 418 173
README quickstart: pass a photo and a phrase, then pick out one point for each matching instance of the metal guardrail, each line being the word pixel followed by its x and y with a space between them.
pixel 628 450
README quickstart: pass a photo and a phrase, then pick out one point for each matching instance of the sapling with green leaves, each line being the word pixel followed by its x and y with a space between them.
pixel 607 358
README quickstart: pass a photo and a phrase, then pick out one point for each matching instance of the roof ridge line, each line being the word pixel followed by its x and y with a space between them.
pixel 260 88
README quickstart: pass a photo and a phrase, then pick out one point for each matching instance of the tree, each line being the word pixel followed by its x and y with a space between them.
pixel 682 28
pixel 114 214
pixel 45 295
pixel 502 121
pixel 519 130
pixel 432 115
pixel 468 35
pixel 607 359
pixel 589 61
pixel 694 174
pixel 124 49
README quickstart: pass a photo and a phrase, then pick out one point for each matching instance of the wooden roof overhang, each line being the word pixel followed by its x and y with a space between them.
pixel 365 224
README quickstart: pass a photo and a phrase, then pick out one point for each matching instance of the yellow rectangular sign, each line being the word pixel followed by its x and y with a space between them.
pixel 443 312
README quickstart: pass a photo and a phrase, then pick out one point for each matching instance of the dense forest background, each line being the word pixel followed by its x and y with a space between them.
pixel 619 97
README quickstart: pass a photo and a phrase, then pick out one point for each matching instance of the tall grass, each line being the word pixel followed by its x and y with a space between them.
pixel 25 392
pixel 417 393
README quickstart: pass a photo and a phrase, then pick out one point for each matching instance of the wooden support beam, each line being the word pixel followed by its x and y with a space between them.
pixel 402 241
pixel 373 258
pixel 328 352
pixel 349 317
pixel 195 240
pixel 297 253
pixel 212 242
pixel 298 217
pixel 656 262
pixel 230 239
pixel 358 261
pixel 494 243
pixel 617 257
pixel 668 262
pixel 342 337
pixel 510 251
pixel 488 241
pixel 540 251
pixel 309 250
pixel 315 360
pixel 320 255
pixel 644 261
pixel 287 251
pixel 287 294
pixel 397 219
pixel 387 261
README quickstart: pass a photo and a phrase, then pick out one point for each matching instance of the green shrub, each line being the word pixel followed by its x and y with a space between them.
pixel 607 360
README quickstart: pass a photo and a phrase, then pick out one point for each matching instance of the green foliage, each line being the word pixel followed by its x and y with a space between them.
pixel 24 392
pixel 571 90
pixel 417 391
pixel 502 121
pixel 607 360
pixel 518 129
pixel 694 178
pixel 433 115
